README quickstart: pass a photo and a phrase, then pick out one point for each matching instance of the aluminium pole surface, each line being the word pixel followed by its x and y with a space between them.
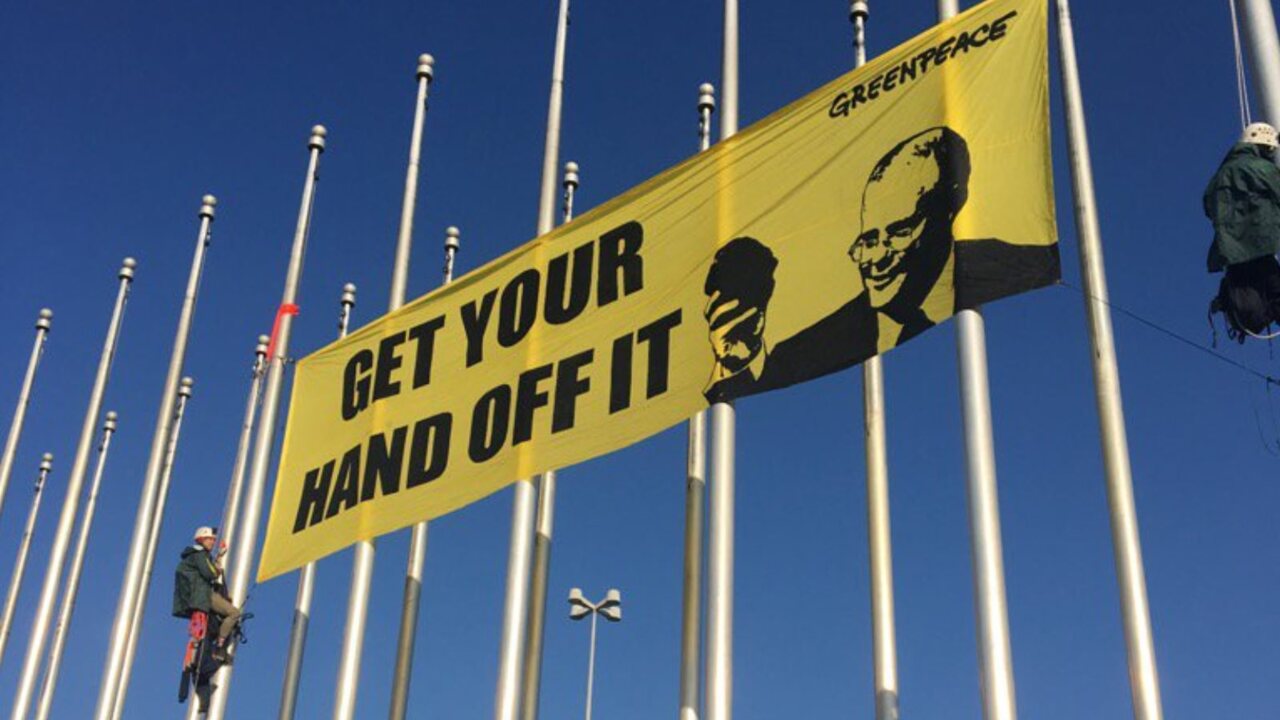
pixel 235 491
pixel 719 679
pixel 238 571
pixel 591 663
pixel 344 702
pixel 132 588
pixel 995 655
pixel 694 503
pixel 307 576
pixel 1144 681
pixel 24 548
pixel 403 673
pixel 166 478
pixel 879 537
pixel 44 322
pixel 524 502
pixel 72 583
pixel 70 504
pixel 544 526
pixel 1262 47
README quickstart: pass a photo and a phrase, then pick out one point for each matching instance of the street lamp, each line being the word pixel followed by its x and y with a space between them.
pixel 579 608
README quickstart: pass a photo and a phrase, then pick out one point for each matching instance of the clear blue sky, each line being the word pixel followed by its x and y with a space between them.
pixel 118 117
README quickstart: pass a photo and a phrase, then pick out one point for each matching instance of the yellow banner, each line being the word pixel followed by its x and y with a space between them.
pixel 835 229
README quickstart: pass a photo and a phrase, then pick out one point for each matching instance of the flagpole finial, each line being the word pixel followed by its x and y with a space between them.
pixel 46 462
pixel 110 422
pixel 207 204
pixel 184 388
pixel 261 349
pixel 318 134
pixel 858 9
pixel 44 320
pixel 126 268
pixel 348 294
pixel 451 239
pixel 706 96
pixel 426 66
pixel 571 174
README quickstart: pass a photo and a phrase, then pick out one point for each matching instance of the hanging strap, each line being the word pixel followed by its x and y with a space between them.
pixel 284 309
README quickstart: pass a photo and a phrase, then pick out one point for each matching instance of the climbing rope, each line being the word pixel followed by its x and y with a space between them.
pixel 1242 86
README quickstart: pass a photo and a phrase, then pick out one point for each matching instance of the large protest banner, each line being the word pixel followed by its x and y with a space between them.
pixel 835 229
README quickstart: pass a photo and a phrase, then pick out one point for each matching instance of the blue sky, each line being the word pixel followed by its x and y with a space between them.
pixel 118 117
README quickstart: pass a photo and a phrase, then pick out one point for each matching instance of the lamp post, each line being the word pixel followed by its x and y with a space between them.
pixel 579 608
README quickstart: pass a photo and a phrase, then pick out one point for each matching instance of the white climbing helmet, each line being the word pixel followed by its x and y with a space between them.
pixel 1261 134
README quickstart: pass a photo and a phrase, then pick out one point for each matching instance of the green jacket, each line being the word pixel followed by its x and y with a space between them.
pixel 1243 202
pixel 193 581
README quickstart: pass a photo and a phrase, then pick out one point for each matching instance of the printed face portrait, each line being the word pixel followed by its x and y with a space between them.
pixel 738 288
pixel 908 204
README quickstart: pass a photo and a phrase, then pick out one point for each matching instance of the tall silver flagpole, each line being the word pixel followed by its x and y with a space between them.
pixel 344 703
pixel 1263 49
pixel 544 525
pixel 994 652
pixel 24 548
pixel 242 562
pixel 879 538
pixel 720 556
pixel 307 576
pixel 67 519
pixel 417 557
pixel 417 536
pixel 72 582
pixel 132 589
pixel 231 508
pixel 694 500
pixel 43 323
pixel 1143 679
pixel 166 477
pixel 524 504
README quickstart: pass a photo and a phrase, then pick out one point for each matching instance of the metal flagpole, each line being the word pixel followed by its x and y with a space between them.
pixel 24 547
pixel 417 557
pixel 166 477
pixel 1263 50
pixel 231 508
pixel 994 652
pixel 132 590
pixel 879 538
pixel 344 703
pixel 694 500
pixel 544 524
pixel 524 505
pixel 67 518
pixel 43 323
pixel 307 576
pixel 241 563
pixel 1143 679
pixel 418 536
pixel 720 556
pixel 63 625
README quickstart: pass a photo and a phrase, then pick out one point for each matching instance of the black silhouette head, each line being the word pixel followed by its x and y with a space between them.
pixel 739 287
pixel 910 201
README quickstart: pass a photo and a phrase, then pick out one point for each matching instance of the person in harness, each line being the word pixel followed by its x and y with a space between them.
pixel 197 587
pixel 1243 203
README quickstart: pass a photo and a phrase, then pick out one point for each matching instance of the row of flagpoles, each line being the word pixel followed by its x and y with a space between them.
pixel 516 694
